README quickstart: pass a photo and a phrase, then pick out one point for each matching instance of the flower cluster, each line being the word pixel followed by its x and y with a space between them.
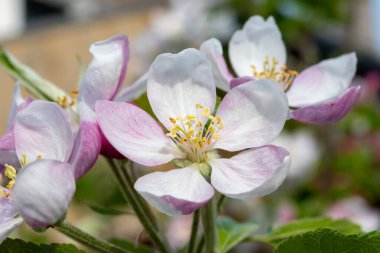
pixel 215 146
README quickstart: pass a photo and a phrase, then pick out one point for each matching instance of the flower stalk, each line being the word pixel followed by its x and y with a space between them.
pixel 140 208
pixel 209 223
pixel 194 230
pixel 86 239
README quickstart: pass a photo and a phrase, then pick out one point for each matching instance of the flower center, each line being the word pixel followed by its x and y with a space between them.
pixel 10 174
pixel 283 77
pixel 195 134
pixel 64 101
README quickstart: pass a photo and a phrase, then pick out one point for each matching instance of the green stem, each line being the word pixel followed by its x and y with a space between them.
pixel 220 202
pixel 209 224
pixel 86 239
pixel 194 230
pixel 130 194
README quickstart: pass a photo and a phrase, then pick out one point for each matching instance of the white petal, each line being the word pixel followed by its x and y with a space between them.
pixel 135 134
pixel 178 191
pixel 252 173
pixel 43 129
pixel 7 226
pixel 105 74
pixel 134 91
pixel 257 40
pixel 177 82
pixel 322 82
pixel 253 114
pixel 43 191
pixel 212 48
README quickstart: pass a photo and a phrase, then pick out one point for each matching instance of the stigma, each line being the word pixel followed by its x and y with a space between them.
pixel 195 134
pixel 282 75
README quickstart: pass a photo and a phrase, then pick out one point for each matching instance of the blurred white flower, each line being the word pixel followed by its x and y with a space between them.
pixel 357 210
pixel 304 150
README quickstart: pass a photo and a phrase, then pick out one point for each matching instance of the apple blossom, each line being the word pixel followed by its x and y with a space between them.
pixel 319 94
pixel 51 157
pixel 182 94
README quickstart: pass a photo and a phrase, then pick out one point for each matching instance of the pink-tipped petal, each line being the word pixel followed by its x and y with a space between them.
pixel 178 191
pixel 43 191
pixel 253 114
pixel 212 48
pixel 135 134
pixel 323 81
pixel 329 112
pixel 177 82
pixel 106 72
pixel 257 40
pixel 240 80
pixel 86 148
pixel 43 129
pixel 134 91
pixel 252 173
pixel 7 226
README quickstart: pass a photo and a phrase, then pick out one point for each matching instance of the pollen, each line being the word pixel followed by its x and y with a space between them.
pixel 67 101
pixel 195 134
pixel 282 75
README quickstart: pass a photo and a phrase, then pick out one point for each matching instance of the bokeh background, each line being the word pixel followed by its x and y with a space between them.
pixel 336 168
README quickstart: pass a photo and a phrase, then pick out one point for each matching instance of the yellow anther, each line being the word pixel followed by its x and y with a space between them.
pixel 199 124
pixel 1 192
pixel 191 117
pixel 38 157
pixel 211 117
pixel 198 106
pixel 206 112
pixel 180 118
pixel 190 132
pixel 183 139
pixel 24 160
pixel 74 93
pixel 173 135
pixel 211 128
pixel 216 136
pixel 172 120
pixel 7 194
pixel 11 184
pixel 10 172
pixel 220 125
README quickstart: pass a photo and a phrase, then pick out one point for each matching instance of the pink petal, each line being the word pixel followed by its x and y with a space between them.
pixel 7 226
pixel 240 80
pixel 43 129
pixel 177 82
pixel 43 191
pixel 257 40
pixel 106 72
pixel 134 91
pixel 86 148
pixel 329 112
pixel 253 114
pixel 178 191
pixel 135 134
pixel 212 48
pixel 18 104
pixel 252 173
pixel 323 82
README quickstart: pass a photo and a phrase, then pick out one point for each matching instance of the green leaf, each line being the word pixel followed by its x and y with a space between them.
pixel 231 233
pixel 331 241
pixel 305 225
pixel 108 211
pixel 32 81
pixel 130 246
pixel 20 246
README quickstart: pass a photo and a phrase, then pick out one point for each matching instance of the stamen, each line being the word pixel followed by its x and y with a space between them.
pixel 64 101
pixel 192 136
pixel 283 77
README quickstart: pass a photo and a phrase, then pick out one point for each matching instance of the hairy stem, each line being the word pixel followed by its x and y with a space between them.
pixel 86 239
pixel 135 201
pixel 209 224
pixel 194 230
